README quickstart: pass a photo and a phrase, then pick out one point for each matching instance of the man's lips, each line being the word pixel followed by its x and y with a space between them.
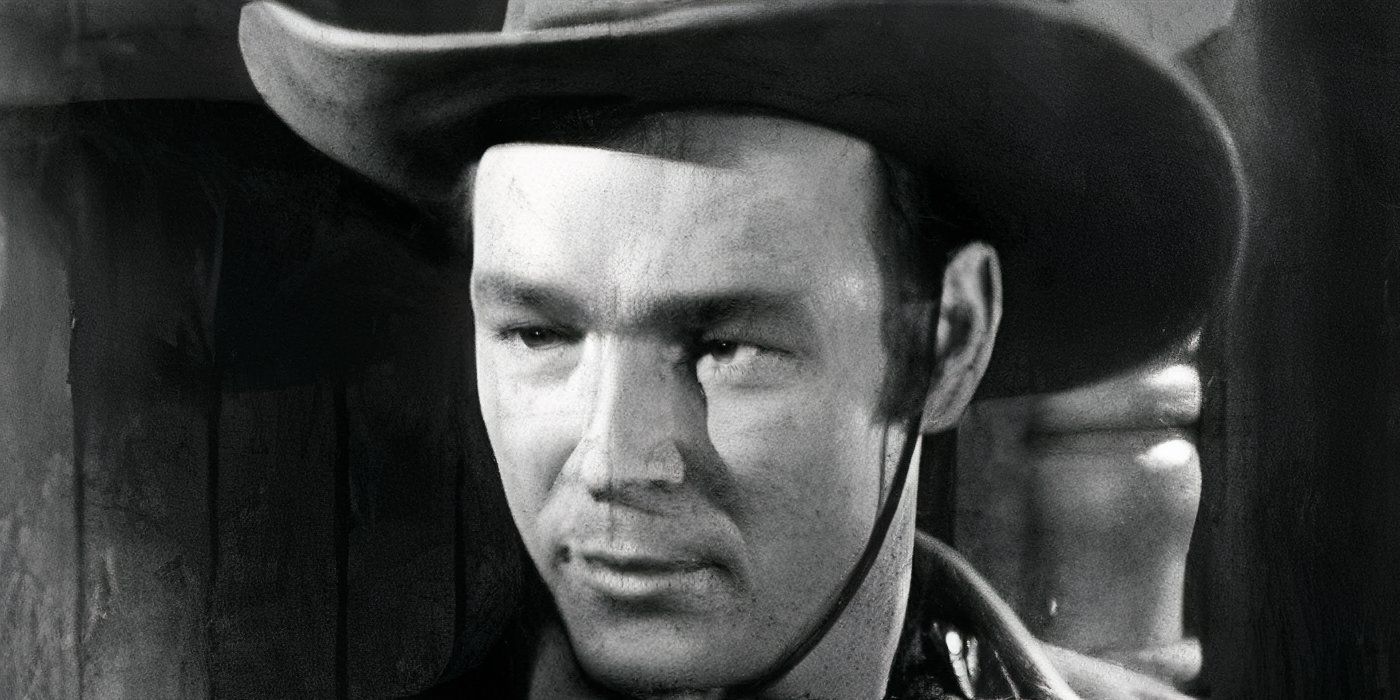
pixel 627 573
pixel 640 565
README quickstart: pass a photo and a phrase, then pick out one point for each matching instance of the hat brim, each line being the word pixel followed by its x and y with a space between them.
pixel 1108 184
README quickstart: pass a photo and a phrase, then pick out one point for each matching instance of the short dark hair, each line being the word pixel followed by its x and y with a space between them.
pixel 914 244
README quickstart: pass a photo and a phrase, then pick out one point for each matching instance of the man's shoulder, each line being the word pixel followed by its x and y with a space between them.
pixel 985 649
pixel 962 640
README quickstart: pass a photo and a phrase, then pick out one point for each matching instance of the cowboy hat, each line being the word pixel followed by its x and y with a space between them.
pixel 1106 181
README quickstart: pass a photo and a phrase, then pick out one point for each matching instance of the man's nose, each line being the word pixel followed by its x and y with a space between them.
pixel 639 406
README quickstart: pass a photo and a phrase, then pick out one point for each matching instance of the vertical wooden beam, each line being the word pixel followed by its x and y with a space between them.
pixel 143 391
pixel 38 553
pixel 325 284
pixel 402 463
pixel 277 593
pixel 1297 538
pixel 404 451
pixel 273 617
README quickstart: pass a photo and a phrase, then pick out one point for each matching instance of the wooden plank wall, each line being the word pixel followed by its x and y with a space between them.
pixel 144 273
pixel 38 533
pixel 267 483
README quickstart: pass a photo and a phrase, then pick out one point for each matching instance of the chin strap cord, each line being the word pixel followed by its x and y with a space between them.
pixel 854 580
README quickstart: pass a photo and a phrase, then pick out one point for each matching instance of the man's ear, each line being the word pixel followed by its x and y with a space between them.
pixel 968 318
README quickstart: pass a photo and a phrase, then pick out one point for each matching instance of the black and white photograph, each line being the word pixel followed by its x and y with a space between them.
pixel 699 349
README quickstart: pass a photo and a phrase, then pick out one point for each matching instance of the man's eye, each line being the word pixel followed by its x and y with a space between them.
pixel 536 337
pixel 739 363
pixel 730 351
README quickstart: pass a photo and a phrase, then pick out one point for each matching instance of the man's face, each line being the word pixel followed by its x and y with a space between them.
pixel 680 363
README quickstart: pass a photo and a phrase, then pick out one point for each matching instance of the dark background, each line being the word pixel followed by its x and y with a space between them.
pixel 240 458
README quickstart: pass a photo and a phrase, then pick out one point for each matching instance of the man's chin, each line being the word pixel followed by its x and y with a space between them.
pixel 658 662
pixel 687 635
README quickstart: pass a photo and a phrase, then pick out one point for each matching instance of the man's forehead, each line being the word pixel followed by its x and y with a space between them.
pixel 696 142
pixel 749 175
pixel 787 199
pixel 682 171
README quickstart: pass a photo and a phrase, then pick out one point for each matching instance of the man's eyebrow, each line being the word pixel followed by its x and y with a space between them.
pixel 513 291
pixel 695 311
pixel 685 311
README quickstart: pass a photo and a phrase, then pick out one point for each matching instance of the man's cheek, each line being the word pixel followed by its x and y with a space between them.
pixel 529 438
pixel 795 508
pixel 775 420
pixel 488 386
pixel 531 449
pixel 749 434
pixel 780 455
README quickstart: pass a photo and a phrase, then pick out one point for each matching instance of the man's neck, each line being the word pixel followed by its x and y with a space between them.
pixel 842 665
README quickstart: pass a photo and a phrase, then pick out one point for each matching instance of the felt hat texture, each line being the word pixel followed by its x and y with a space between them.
pixel 1098 169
